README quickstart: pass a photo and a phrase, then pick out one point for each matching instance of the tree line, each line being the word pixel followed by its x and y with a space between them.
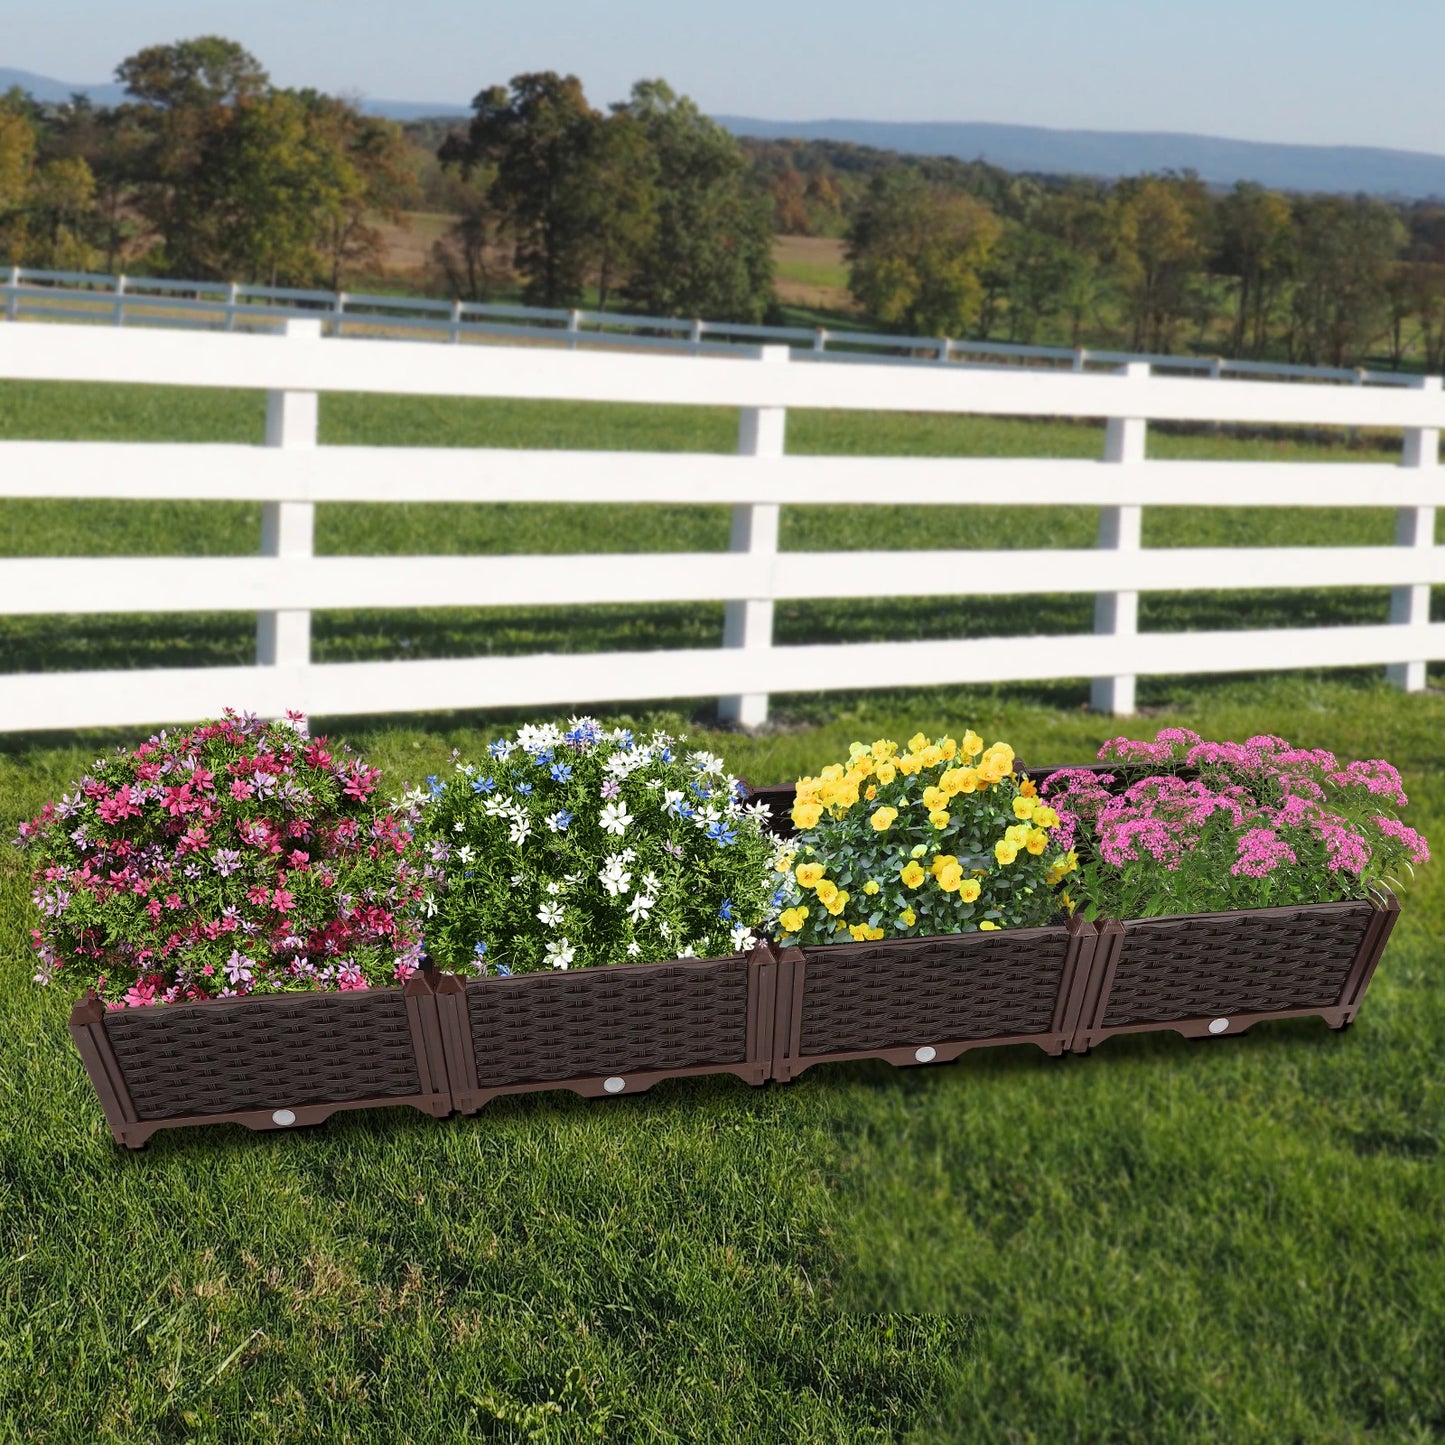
pixel 1154 262
pixel 210 171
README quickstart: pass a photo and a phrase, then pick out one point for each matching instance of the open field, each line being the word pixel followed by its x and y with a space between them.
pixel 811 271
pixel 1238 1240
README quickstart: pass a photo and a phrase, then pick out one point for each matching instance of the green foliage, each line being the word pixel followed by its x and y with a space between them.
pixel 542 139
pixel 915 252
pixel 708 252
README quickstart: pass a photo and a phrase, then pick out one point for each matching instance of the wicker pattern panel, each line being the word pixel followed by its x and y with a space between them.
pixel 223 1057
pixel 1224 963
pixel 608 1021
pixel 963 986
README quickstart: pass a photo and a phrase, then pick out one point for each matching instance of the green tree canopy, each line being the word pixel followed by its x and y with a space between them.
pixel 915 252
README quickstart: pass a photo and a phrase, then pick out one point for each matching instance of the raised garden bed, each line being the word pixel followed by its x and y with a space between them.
pixel 605 1031
pixel 927 1000
pixel 269 1062
pixel 1219 973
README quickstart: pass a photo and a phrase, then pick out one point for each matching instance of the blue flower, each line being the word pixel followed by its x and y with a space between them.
pixel 581 735
pixel 559 820
pixel 503 971
pixel 780 897
pixel 498 749
pixel 437 789
pixel 479 949
pixel 525 789
pixel 726 911
pixel 624 736
pixel 483 785
pixel 666 755
pixel 542 757
pixel 561 772
pixel 721 834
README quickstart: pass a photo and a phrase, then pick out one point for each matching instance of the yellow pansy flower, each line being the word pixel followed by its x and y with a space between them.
pixel 874 934
pixel 988 925
pixel 1017 834
pixel 784 862
pixel 908 918
pixel 919 851
pixel 917 743
pixel 831 773
pixel 1036 842
pixel 859 931
pixel 935 798
pixel 883 818
pixel 1024 807
pixel 968 890
pixel 939 818
pixel 1005 851
pixel 908 764
pixel 1029 788
pixel 827 891
pixel 940 862
pixel 949 749
pixel 809 874
pixel 886 773
pixel 792 919
pixel 883 750
pixel 870 887
pixel 972 744
pixel 912 875
pixel 871 792
pixel 837 904
pixel 950 878
pixel 806 815
pixel 1045 817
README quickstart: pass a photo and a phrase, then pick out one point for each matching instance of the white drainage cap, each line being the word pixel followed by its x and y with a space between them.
pixel 926 1054
pixel 614 1085
pixel 283 1117
pixel 1218 1026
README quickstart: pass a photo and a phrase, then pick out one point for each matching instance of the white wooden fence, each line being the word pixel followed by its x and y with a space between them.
pixel 29 295
pixel 291 473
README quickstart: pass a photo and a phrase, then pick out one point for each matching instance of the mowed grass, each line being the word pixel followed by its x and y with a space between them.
pixel 1234 1240
pixel 59 528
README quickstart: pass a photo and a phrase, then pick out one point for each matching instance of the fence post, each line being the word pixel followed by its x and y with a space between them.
pixel 233 299
pixel 943 344
pixel 748 623
pixel 695 335
pixel 1415 527
pixel 12 301
pixel 1080 356
pixel 1117 613
pixel 283 638
pixel 574 326
pixel 820 339
pixel 338 310
pixel 120 300
pixel 456 334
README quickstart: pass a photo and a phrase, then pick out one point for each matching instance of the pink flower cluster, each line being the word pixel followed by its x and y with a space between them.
pixel 238 857
pixel 1292 824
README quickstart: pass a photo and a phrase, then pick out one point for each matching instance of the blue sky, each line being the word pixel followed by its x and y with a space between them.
pixel 1323 71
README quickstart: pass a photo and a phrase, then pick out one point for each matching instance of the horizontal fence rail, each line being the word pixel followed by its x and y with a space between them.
pixel 31 294
pixel 287 581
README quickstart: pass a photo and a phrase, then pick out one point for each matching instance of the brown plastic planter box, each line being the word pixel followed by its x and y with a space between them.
pixel 1218 973
pixel 603 1031
pixel 927 1000
pixel 268 1062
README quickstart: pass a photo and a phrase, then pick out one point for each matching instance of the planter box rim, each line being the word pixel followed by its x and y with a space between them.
pixel 609 969
pixel 1332 905
pixel 253 1000
pixel 1042 930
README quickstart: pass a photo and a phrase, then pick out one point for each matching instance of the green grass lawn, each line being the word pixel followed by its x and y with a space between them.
pixel 1235 1240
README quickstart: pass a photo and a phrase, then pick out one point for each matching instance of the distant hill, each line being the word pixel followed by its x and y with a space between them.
pixel 43 88
pixel 1410 175
pixel 1107 154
